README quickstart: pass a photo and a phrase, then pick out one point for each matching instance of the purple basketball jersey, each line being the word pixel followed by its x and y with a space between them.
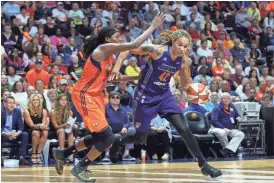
pixel 157 74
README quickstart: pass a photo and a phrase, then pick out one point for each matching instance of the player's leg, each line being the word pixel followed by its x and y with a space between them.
pixel 170 110
pixel 143 114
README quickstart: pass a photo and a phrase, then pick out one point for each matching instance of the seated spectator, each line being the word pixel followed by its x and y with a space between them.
pixel 60 13
pixel 238 52
pixel 243 18
pixel 214 86
pixel 192 21
pixel 62 69
pixel 151 12
pixel 265 74
pixel 255 31
pixel 4 95
pixel 47 59
pixel 63 87
pixel 177 95
pixel 51 99
pixel 243 90
pixel 208 32
pixel 49 28
pixel 118 120
pixel 58 38
pixel 124 101
pixel 237 78
pixel 11 8
pixel 75 69
pixel 53 81
pixel 203 50
pixel 159 133
pixel 254 12
pixel 32 28
pixel 8 39
pixel 22 18
pixel 36 122
pixel 5 83
pixel 135 11
pixel 254 83
pixel 24 103
pixel 269 20
pixel 76 14
pixel 224 86
pixel 42 12
pixel 221 28
pixel 183 10
pixel 40 87
pixel 194 33
pixel 198 16
pixel 256 53
pixel 223 124
pixel 11 75
pixel 202 75
pixel 15 59
pixel 251 96
pixel 218 67
pixel 30 50
pixel 208 19
pixel 59 118
pixel 108 12
pixel 12 127
pixel 85 29
pixel 214 101
pixel 132 69
pixel 251 66
pixel 232 38
pixel 225 52
pixel 18 92
pixel 69 50
pixel 123 87
pixel 37 73
pixel 98 15
pixel 202 38
pixel 76 39
pixel 266 101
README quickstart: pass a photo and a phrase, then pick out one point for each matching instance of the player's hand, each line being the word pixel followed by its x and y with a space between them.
pixel 115 74
pixel 158 20
pixel 239 118
pixel 124 131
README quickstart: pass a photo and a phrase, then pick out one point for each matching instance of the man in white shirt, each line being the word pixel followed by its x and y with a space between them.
pixel 156 7
pixel 265 76
pixel 184 10
pixel 108 13
pixel 198 16
pixel 251 66
pixel 22 17
pixel 98 15
pixel 204 50
pixel 59 12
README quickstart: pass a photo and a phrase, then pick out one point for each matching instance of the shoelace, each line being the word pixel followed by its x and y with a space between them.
pixel 86 174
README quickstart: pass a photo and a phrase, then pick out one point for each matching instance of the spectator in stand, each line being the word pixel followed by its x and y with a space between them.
pixel 4 95
pixel 51 99
pixel 220 28
pixel 98 15
pixel 32 28
pixel 12 75
pixel 225 52
pixel 224 86
pixel 24 103
pixel 151 12
pixel 218 67
pixel 50 28
pixel 77 39
pixel 15 59
pixel 251 96
pixel 5 83
pixel 42 12
pixel 22 18
pixel 155 6
pixel 256 53
pixel 265 74
pixel 70 50
pixel 209 34
pixel 192 21
pixel 36 122
pixel 118 120
pixel 37 73
pixel 11 8
pixel 237 78
pixel 254 83
pixel 59 118
pixel 266 101
pixel 214 101
pixel 132 69
pixel 206 20
pixel 12 128
pixel 177 95
pixel 182 8
pixel 8 39
pixel 75 69
pixel 124 88
pixel 269 20
pixel 159 133
pixel 134 30
pixel 203 37
pixel 58 38
pixel 198 16
pixel 60 13
pixel 18 92
pixel 55 70
pixel 202 75
pixel 63 87
pixel 40 87
pixel 136 11
pixel 47 59
pixel 203 50
pixel 30 50
pixel 251 66
pixel 42 37
pixel 53 81
pixel 238 52
pixel 107 12
pixel 253 11
pixel 85 29
pixel 262 90
pixel 76 14
pixel 243 18
pixel 243 90
pixel 194 33
pixel 223 124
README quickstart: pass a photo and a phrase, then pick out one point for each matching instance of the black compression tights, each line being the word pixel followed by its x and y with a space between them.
pixel 183 129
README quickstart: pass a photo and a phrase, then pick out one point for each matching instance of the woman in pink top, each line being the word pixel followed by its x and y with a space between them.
pixel 58 38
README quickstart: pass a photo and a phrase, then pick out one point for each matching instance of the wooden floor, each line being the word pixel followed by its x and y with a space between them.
pixel 248 171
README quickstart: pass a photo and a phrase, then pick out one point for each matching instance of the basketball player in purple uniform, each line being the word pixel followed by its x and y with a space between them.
pixel 153 96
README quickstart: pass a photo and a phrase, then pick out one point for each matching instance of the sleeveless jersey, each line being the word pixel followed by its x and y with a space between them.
pixel 157 74
pixel 94 76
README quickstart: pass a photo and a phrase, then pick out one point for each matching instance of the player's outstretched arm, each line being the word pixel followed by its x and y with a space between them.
pixel 155 51
pixel 114 74
pixel 185 76
pixel 126 78
pixel 106 50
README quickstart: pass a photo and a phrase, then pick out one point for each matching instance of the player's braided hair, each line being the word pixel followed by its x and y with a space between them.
pixel 93 41
pixel 167 37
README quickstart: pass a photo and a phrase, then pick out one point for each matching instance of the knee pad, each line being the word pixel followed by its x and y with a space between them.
pixel 104 139
pixel 88 141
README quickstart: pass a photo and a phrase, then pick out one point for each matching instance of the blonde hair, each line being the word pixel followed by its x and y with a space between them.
pixel 30 106
pixel 61 116
pixel 166 38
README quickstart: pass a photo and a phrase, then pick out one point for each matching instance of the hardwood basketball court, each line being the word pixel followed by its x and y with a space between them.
pixel 245 171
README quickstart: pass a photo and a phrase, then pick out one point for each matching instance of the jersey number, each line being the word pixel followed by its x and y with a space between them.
pixel 164 76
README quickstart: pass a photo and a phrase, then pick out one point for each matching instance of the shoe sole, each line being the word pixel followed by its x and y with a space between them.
pixel 79 178
pixel 56 161
pixel 213 175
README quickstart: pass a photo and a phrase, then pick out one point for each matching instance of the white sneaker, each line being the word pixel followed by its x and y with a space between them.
pixel 165 156
pixel 155 157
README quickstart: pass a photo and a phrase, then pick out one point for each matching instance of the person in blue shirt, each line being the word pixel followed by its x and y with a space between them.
pixel 194 107
pixel 213 102
pixel 223 119
pixel 12 127
pixel 118 120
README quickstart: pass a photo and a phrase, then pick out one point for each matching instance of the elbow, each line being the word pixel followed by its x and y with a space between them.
pixel 135 44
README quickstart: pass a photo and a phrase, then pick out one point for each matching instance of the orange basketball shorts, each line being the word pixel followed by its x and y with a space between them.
pixel 92 110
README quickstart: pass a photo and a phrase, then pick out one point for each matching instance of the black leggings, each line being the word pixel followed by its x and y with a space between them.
pixel 182 128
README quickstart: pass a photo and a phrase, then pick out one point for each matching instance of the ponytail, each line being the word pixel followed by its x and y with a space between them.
pixel 91 43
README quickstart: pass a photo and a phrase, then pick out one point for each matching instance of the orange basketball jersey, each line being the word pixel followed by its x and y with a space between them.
pixel 94 76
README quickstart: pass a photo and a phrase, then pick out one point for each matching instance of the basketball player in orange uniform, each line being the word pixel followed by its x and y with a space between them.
pixel 88 99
